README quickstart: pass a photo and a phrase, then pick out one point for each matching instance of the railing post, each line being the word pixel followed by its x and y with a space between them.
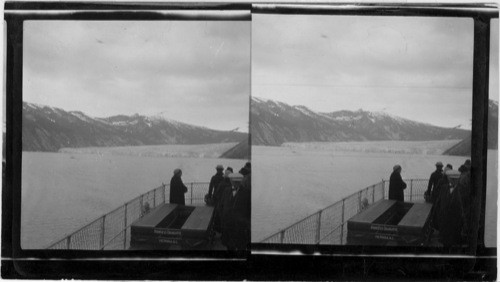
pixel 342 224
pixel 359 200
pixel 282 236
pixel 142 208
pixel 191 193
pixel 383 189
pixel 101 242
pixel 318 229
pixel 165 193
pixel 411 190
pixel 373 194
pixel 68 242
pixel 125 228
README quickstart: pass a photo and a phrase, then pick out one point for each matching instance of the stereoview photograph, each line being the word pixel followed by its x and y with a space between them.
pixel 135 135
pixel 361 131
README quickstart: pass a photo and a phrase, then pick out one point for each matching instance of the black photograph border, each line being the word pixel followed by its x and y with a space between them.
pixel 11 197
pixel 265 261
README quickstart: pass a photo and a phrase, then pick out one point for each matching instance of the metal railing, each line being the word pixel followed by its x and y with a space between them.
pixel 327 226
pixel 112 230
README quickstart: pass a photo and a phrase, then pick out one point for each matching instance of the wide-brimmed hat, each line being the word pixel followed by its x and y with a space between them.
pixel 219 167
pixel 439 164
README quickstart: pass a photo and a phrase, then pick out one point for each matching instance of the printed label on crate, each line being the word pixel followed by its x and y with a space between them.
pixel 168 232
pixel 167 241
pixel 384 237
pixel 379 227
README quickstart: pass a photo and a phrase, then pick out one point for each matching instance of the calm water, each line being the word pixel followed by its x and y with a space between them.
pixel 62 192
pixel 290 183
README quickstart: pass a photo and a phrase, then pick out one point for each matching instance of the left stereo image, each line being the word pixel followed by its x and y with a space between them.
pixel 135 134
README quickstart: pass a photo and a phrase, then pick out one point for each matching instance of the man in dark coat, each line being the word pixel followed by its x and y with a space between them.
pixel 433 188
pixel 246 171
pixel 218 194
pixel 177 188
pixel 396 185
pixel 235 206
pixel 214 183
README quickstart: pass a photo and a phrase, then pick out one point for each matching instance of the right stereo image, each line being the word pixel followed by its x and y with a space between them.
pixel 362 128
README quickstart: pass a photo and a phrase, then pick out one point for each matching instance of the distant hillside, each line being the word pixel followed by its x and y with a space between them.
pixel 240 151
pixel 49 129
pixel 274 123
pixel 463 148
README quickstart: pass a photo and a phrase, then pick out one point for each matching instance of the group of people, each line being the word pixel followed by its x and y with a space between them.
pixel 448 190
pixel 230 194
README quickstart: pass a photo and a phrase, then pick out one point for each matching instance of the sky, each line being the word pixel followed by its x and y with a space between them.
pixel 197 72
pixel 416 68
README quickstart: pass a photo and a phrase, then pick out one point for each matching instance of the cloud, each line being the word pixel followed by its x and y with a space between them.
pixel 105 68
pixel 325 62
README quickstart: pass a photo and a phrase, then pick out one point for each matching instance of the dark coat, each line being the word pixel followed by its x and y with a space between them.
pixel 442 201
pixel 235 218
pixel 214 183
pixel 177 191
pixel 451 215
pixel 433 187
pixel 217 197
pixel 396 187
pixel 247 181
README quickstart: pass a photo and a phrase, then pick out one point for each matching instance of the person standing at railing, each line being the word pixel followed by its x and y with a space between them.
pixel 441 199
pixel 396 185
pixel 451 210
pixel 464 195
pixel 214 183
pixel 177 188
pixel 246 171
pixel 432 192
pixel 218 197
pixel 235 206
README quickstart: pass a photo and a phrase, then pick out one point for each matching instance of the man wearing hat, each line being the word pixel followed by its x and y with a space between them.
pixel 217 198
pixel 214 183
pixel 433 188
pixel 235 214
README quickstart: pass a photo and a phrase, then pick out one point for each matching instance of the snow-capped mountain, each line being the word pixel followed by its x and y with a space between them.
pixel 464 147
pixel 49 129
pixel 274 122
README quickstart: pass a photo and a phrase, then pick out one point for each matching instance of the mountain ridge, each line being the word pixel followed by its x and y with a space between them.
pixel 274 123
pixel 47 128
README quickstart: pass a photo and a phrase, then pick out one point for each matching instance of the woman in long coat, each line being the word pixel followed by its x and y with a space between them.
pixel 177 188
pixel 235 211
pixel 396 185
